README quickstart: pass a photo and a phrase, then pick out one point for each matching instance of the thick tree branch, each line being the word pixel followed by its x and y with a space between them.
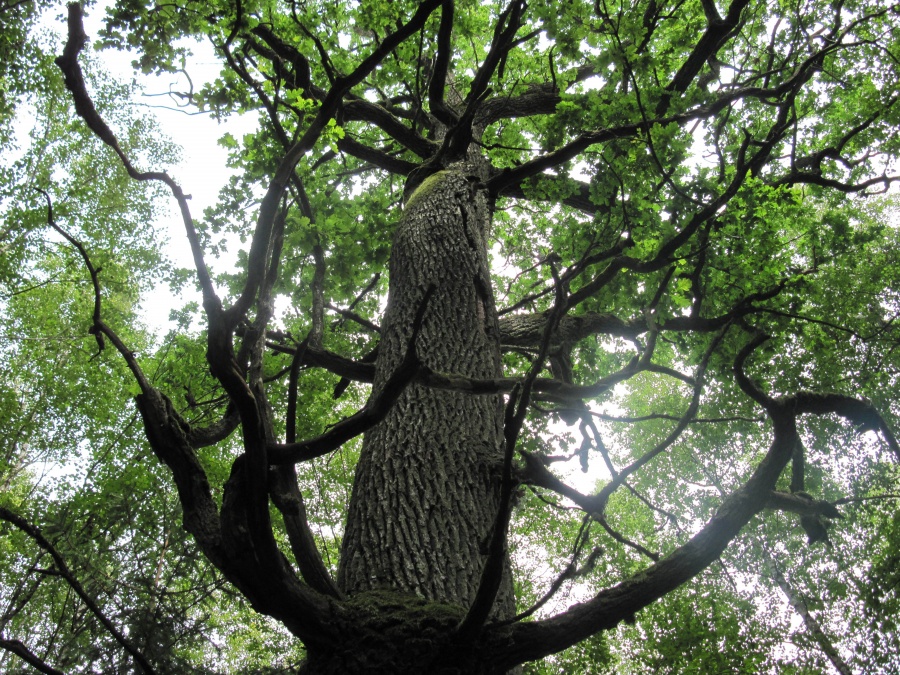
pixel 356 318
pixel 718 30
pixel 538 99
pixel 439 107
pixel 29 657
pixel 84 106
pixel 580 197
pixel 219 431
pixel 747 385
pixel 801 504
pixel 360 110
pixel 533 640
pixel 376 158
pixel 286 495
pixel 858 411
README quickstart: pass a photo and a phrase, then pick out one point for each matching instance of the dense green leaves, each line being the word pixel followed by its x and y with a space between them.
pixel 689 176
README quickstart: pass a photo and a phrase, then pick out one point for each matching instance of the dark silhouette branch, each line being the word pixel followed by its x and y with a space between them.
pixel 538 99
pixel 63 569
pixel 747 385
pixel 439 107
pixel 84 106
pixel 283 486
pixel 532 640
pixel 718 31
pixel 360 110
pixel 377 158
pixel 859 412
pixel 365 419
pixel 356 318
pixel 622 539
pixel 214 433
pixel 801 504
pixel 99 329
pixel 19 649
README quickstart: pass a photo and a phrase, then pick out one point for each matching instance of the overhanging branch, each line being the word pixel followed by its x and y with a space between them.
pixel 63 569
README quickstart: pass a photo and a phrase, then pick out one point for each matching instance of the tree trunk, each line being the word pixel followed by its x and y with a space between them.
pixel 426 489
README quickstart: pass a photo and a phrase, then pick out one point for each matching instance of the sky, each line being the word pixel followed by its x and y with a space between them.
pixel 202 171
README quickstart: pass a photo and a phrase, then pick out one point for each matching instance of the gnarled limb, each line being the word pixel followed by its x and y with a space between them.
pixel 532 640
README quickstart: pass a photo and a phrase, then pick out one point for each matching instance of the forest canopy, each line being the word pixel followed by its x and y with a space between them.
pixel 529 337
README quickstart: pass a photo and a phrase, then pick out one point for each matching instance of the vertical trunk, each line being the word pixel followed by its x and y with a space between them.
pixel 427 484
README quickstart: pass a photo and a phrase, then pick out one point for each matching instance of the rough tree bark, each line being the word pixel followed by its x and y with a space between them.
pixel 426 491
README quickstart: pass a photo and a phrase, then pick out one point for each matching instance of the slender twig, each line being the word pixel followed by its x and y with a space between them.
pixel 622 539
pixel 682 424
pixel 365 419
pixel 99 328
pixel 353 316
pixel 569 572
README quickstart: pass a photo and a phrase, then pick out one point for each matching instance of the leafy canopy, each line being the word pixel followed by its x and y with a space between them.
pixel 702 191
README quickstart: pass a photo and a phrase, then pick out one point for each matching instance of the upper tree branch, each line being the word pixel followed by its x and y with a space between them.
pixel 458 138
pixel 84 106
pixel 360 110
pixel 801 504
pixel 376 158
pixel 439 107
pixel 505 180
pixel 859 411
pixel 328 109
pixel 718 30
pixel 538 99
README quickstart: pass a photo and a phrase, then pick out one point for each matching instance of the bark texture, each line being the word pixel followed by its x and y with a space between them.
pixel 426 489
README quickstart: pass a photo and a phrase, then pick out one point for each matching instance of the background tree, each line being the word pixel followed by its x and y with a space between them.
pixel 647 240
